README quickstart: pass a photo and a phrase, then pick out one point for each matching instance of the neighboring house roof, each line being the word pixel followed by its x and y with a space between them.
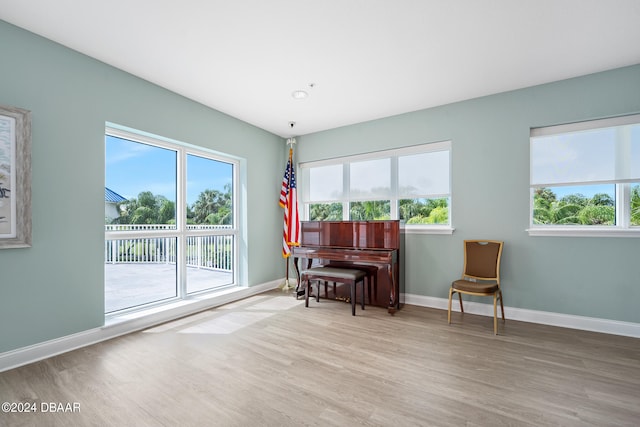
pixel 112 197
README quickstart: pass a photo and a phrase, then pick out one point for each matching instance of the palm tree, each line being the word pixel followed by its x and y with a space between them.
pixel 146 209
pixel 206 204
pixel 597 215
pixel 370 210
pixel 572 209
pixel 213 207
pixel 566 214
pixel 424 211
pixel 439 215
pixel 325 212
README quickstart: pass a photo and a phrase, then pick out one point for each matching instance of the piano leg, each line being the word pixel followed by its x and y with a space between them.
pixel 306 294
pixel 300 290
pixel 393 297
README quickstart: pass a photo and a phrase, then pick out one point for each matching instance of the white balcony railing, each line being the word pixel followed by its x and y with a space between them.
pixel 214 252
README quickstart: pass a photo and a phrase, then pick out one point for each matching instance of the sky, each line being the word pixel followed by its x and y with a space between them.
pixel 133 167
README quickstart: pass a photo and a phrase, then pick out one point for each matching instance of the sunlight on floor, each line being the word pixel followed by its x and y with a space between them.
pixel 226 324
pixel 180 322
pixel 276 304
pixel 216 321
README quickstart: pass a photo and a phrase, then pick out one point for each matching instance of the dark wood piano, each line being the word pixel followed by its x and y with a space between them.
pixel 371 243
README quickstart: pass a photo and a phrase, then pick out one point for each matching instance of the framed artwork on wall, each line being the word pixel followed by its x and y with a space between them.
pixel 15 178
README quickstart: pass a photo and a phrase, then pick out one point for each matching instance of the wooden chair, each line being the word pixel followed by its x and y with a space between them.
pixel 481 275
pixel 349 276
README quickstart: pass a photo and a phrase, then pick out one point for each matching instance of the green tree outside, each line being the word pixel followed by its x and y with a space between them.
pixel 146 209
pixel 635 205
pixel 412 211
pixel 212 207
pixel 370 210
pixel 325 212
pixel 576 209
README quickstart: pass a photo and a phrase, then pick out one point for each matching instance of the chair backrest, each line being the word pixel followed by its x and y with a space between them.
pixel 482 259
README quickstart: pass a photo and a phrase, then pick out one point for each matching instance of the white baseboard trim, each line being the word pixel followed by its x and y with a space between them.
pixel 606 326
pixel 128 323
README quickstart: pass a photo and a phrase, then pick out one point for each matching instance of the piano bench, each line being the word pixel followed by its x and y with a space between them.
pixel 371 278
pixel 348 276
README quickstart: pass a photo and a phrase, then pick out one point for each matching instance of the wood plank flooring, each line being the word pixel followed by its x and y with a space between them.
pixel 268 361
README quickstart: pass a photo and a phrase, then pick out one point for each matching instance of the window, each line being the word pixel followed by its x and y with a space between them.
pixel 411 184
pixel 585 178
pixel 172 232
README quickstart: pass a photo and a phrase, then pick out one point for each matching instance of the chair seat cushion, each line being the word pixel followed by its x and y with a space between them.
pixel 479 287
pixel 337 273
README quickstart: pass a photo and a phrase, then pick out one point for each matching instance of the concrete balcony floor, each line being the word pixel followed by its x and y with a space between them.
pixel 136 284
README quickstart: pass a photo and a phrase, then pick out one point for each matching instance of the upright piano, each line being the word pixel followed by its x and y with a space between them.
pixel 353 243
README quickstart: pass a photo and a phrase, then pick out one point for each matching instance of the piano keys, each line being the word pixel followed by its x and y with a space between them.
pixel 350 243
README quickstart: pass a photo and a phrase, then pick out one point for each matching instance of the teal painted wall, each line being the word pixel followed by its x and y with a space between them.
pixel 55 288
pixel 586 276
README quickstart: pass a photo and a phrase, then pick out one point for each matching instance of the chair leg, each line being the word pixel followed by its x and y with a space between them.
pixel 449 312
pixel 306 293
pixel 460 298
pixel 318 282
pixel 495 313
pixel 501 305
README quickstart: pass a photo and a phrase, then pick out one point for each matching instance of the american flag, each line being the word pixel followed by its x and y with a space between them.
pixel 289 201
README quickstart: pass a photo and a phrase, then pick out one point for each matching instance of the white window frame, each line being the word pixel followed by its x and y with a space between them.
pixel 345 199
pixel 181 232
pixel 622 228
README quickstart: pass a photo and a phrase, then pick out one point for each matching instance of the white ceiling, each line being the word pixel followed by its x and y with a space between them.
pixel 367 59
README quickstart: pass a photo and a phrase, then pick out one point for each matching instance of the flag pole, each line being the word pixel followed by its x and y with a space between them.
pixel 286 286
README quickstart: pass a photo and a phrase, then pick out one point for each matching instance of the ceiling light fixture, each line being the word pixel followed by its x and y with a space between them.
pixel 299 94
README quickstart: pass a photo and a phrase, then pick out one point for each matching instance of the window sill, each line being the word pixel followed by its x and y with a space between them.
pixel 583 232
pixel 426 230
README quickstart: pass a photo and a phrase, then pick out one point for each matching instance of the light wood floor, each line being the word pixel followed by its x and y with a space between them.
pixel 268 361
